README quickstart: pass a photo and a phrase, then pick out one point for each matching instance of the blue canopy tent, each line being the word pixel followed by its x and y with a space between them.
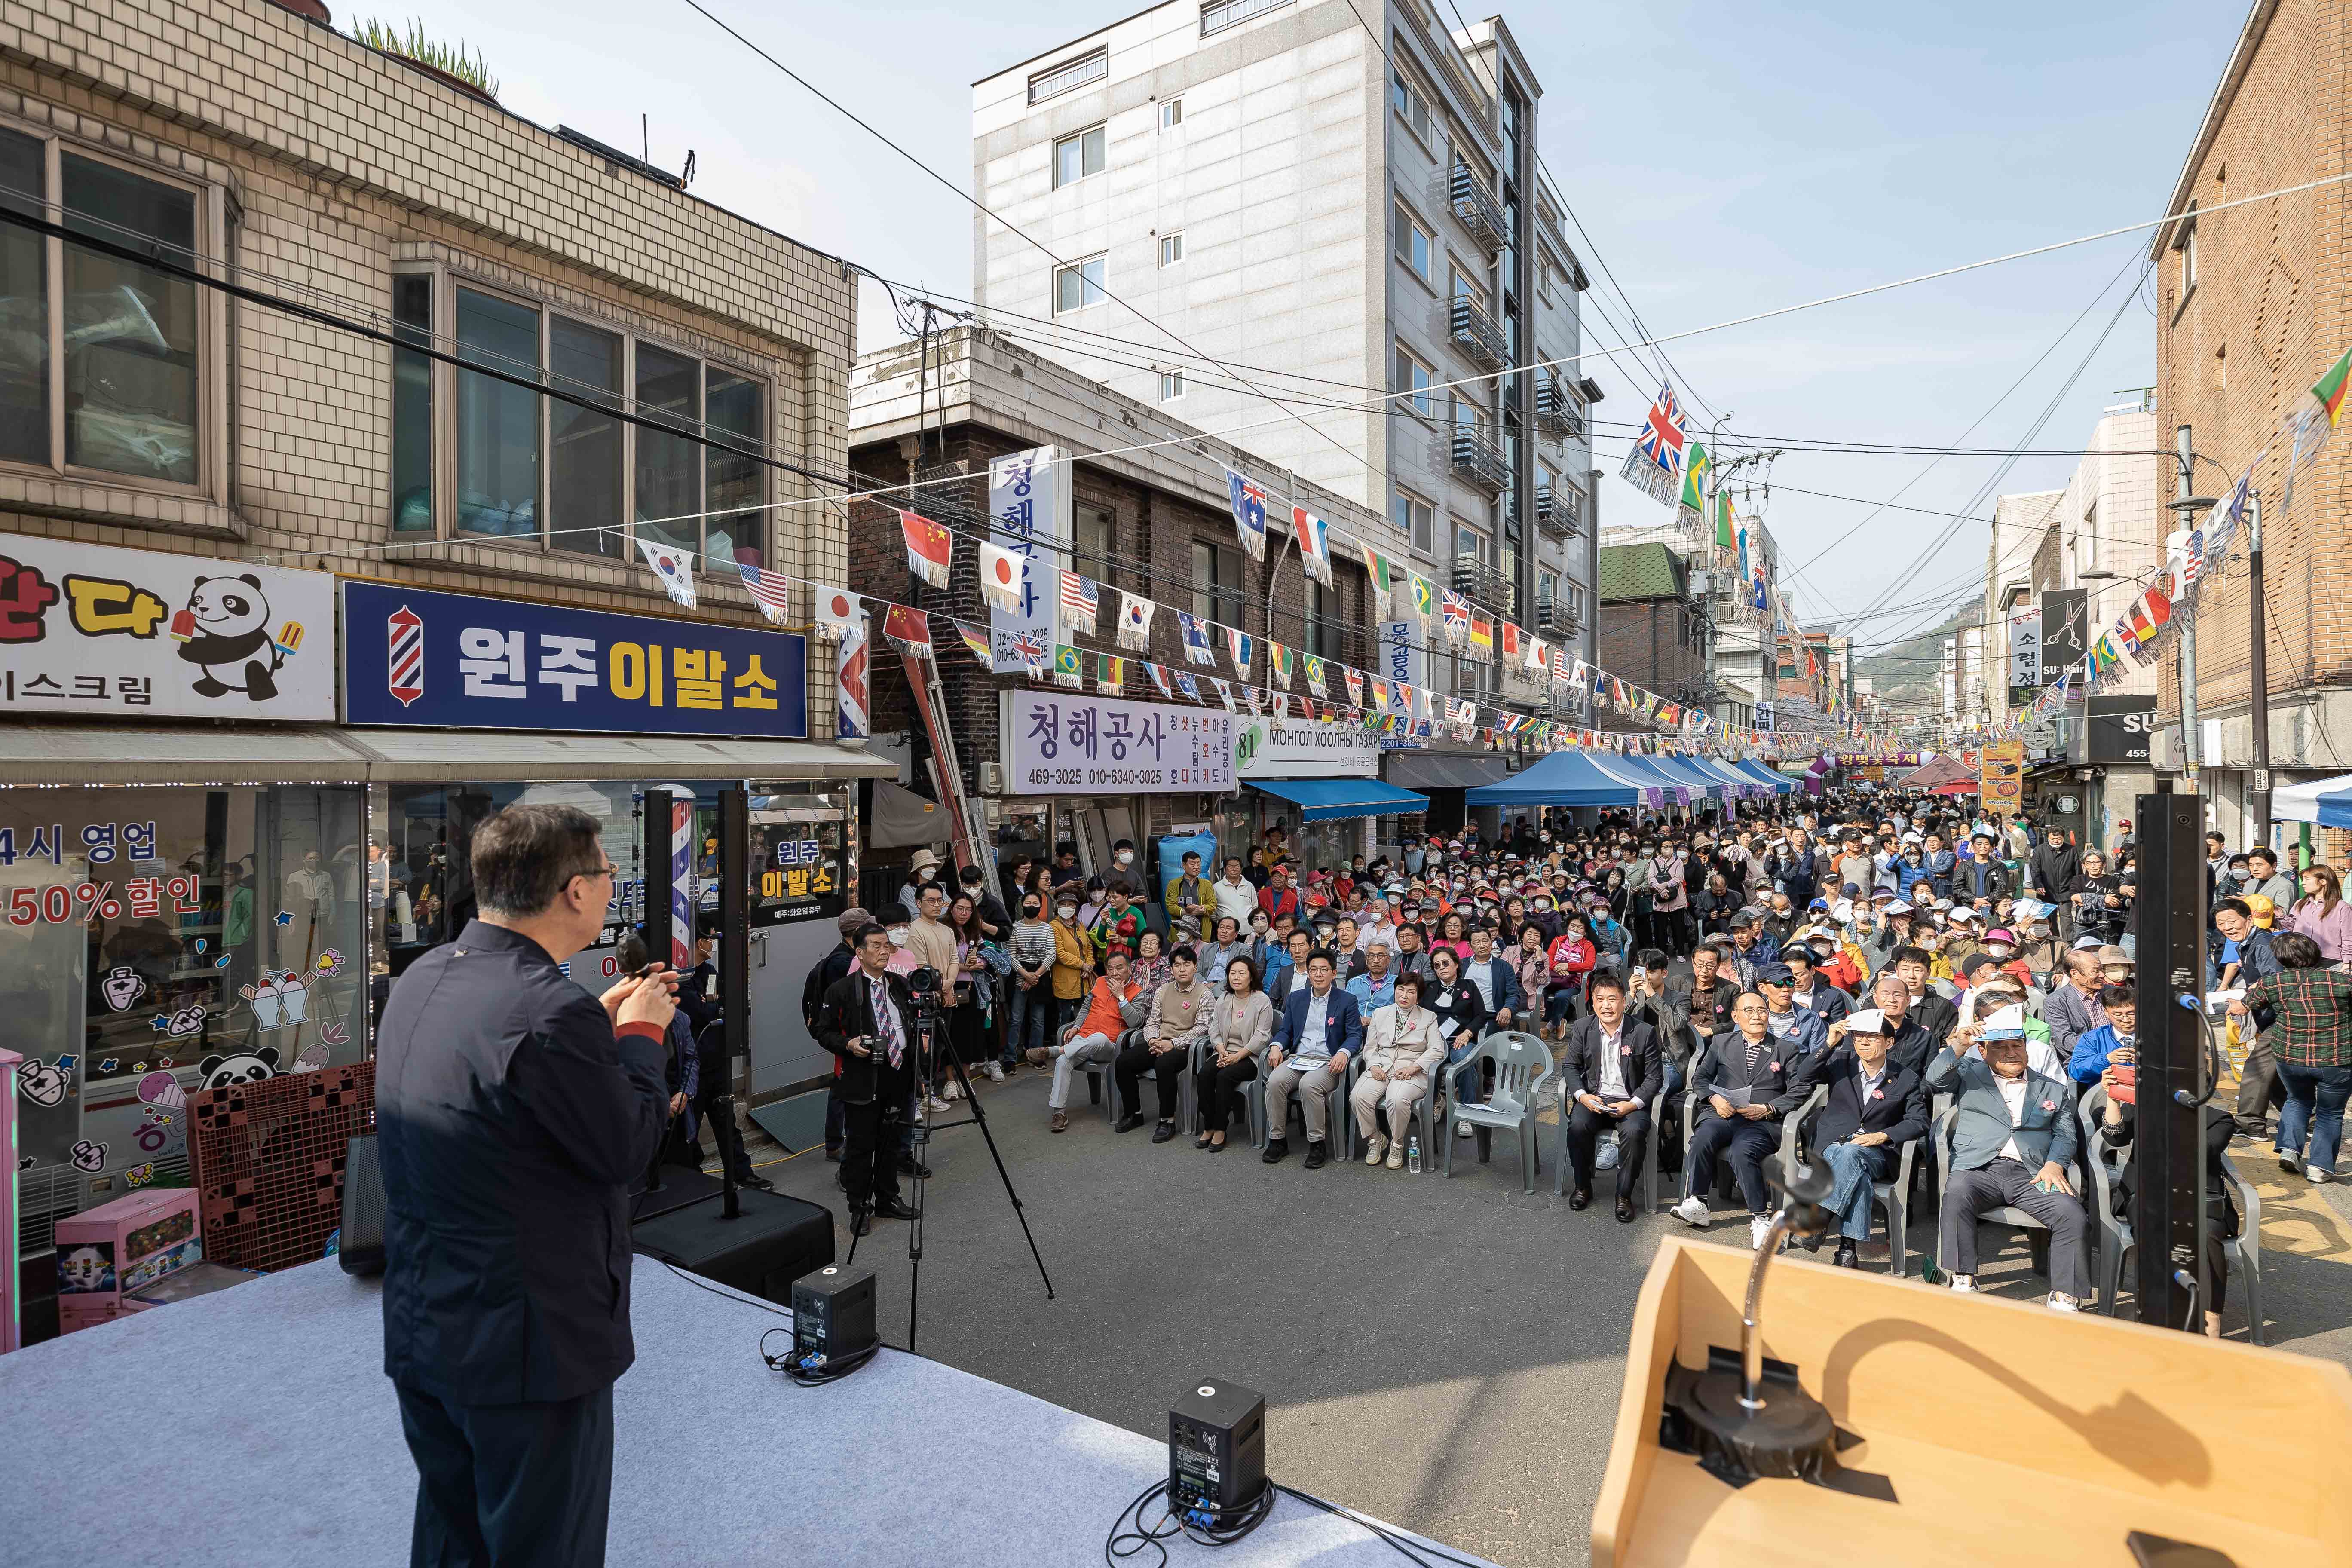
pixel 1563 778
pixel 1338 800
pixel 1704 785
pixel 2335 810
pixel 1742 786
pixel 1645 771
pixel 1764 775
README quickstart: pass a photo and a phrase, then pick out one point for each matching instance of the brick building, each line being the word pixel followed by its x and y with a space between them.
pixel 1653 631
pixel 2251 309
pixel 1156 522
pixel 479 484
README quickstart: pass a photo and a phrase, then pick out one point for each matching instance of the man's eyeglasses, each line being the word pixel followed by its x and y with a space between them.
pixel 605 870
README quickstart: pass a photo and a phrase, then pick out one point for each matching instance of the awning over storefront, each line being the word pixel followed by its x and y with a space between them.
pixel 2306 801
pixel 1440 770
pixel 119 754
pixel 1563 778
pixel 1337 800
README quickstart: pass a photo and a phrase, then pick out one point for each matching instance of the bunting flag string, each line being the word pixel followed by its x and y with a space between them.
pixel 1081 602
pixel 1003 576
pixel 1066 670
pixel 1110 674
pixel 929 548
pixel 1135 612
pixel 1314 545
pixel 1248 500
pixel 1196 639
pixel 1239 645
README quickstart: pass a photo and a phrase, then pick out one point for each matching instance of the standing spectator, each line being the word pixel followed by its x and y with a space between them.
pixel 929 937
pixel 868 1024
pixel 2267 878
pixel 2321 913
pixel 1233 894
pixel 2051 869
pixel 512 1113
pixel 2312 1042
pixel 1072 964
pixel 995 920
pixel 2102 907
pixel 1188 899
pixel 830 968
pixel 1030 1019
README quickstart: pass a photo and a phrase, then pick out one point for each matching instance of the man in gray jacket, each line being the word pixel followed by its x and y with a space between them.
pixel 2013 1138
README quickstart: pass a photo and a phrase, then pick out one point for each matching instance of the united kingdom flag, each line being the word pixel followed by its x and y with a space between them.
pixel 1661 440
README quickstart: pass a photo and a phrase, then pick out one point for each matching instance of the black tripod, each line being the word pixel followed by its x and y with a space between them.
pixel 926 1024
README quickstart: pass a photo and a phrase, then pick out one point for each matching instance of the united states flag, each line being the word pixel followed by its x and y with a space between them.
pixel 768 590
pixel 1081 602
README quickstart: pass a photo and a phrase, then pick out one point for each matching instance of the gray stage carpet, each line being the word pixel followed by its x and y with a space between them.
pixel 255 1427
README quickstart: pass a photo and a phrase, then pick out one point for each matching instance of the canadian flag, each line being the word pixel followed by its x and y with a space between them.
pixel 1001 581
pixel 929 548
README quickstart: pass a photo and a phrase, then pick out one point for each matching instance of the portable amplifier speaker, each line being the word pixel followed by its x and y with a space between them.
pixel 1216 1451
pixel 360 1250
pixel 833 1313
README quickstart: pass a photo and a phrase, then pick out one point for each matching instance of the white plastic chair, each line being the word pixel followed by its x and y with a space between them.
pixel 1561 1170
pixel 1522 1066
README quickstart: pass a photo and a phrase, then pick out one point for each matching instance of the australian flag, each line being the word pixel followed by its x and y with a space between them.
pixel 1249 512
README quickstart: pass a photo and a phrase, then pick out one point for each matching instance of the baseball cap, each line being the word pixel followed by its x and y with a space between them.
pixel 1774 974
pixel 2001 934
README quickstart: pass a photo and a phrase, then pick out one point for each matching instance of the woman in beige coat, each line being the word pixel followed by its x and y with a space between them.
pixel 1401 1049
pixel 1240 1024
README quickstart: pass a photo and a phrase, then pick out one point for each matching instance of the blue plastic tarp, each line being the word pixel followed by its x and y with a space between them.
pixel 1337 800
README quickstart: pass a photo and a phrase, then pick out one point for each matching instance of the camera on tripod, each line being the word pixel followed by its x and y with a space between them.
pixel 923 987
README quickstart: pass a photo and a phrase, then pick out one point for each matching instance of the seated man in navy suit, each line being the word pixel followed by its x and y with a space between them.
pixel 1745 1083
pixel 1875 1107
pixel 2013 1138
pixel 1320 1032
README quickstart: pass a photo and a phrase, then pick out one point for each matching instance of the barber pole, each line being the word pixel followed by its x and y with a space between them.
pixel 681 883
pixel 403 637
pixel 851 724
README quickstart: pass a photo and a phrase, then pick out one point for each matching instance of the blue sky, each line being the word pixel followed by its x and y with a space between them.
pixel 1726 158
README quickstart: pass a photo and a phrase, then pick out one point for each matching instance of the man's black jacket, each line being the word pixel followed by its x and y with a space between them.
pixel 510 1119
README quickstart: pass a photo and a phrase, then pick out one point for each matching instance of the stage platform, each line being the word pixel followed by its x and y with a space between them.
pixel 255 1427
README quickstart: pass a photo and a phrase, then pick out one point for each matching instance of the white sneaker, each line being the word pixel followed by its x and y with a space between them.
pixel 1376 1149
pixel 935 1102
pixel 996 1072
pixel 951 1090
pixel 2318 1172
pixel 1396 1156
pixel 1759 1227
pixel 2290 1161
pixel 1964 1283
pixel 1694 1213
pixel 1462 1130
pixel 2061 1302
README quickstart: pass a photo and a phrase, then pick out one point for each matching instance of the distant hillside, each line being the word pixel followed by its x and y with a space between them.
pixel 1904 674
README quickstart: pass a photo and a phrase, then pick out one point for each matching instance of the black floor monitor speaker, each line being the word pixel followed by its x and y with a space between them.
pixel 833 1313
pixel 360 1248
pixel 760 1252
pixel 1216 1451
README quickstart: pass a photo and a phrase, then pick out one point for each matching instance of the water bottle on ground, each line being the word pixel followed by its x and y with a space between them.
pixel 1413 1154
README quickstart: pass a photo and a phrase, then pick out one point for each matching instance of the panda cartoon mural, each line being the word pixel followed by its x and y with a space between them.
pixel 224 630
pixel 241 1067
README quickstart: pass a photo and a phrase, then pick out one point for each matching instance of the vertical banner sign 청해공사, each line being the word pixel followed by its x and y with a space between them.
pixel 1029 507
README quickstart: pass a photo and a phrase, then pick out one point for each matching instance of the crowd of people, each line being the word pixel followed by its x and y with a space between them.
pixel 1900 956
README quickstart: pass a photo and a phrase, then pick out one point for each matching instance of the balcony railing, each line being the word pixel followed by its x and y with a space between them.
pixel 1477 459
pixel 1475 205
pixel 1484 586
pixel 1477 333
pixel 1557 414
pixel 1560 514
pixel 1556 615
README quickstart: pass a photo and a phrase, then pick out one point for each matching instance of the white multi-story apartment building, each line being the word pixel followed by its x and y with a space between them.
pixel 1271 212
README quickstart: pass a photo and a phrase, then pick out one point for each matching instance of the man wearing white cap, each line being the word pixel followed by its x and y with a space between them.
pixel 1875 1107
pixel 2013 1140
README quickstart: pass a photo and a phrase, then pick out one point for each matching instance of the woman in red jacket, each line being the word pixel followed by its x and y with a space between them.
pixel 1572 959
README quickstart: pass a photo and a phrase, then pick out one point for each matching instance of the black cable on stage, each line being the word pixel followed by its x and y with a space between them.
pixel 815 1371
pixel 1130 1536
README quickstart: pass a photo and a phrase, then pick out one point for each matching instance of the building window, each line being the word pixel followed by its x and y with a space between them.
pixel 583 444
pixel 1171 249
pixel 1078 285
pixel 1464 285
pixel 1410 102
pixel 1546 588
pixel 1466 544
pixel 1325 621
pixel 1470 417
pixel 733 477
pixel 2186 246
pixel 669 390
pixel 1172 385
pixel 1091 553
pixel 1076 156
pixel 412 403
pixel 1414 517
pixel 1415 379
pixel 1217 584
pixel 1172 113
pixel 497 422
pixel 1415 247
pixel 119 346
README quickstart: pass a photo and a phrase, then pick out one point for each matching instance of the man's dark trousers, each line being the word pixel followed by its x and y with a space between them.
pixel 870 1155
pixel 1746 1142
pixel 509 1485
pixel 1585 1126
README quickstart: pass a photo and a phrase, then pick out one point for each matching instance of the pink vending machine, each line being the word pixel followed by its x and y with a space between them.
pixel 105 1253
pixel 12 1302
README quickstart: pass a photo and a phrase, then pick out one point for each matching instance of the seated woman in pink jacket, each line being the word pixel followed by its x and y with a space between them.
pixel 1572 957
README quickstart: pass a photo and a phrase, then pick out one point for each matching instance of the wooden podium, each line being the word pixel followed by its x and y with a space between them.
pixel 2010 1434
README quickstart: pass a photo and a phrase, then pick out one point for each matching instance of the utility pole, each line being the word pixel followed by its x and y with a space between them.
pixel 2185 454
pixel 2261 671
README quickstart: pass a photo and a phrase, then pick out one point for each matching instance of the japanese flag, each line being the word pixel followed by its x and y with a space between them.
pixel 1001 577
pixel 838 611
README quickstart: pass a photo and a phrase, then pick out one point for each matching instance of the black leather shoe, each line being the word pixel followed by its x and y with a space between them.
pixel 1164 1131
pixel 1129 1123
pixel 1812 1243
pixel 909 1167
pixel 860 1222
pixel 1844 1257
pixel 833 1156
pixel 1276 1150
pixel 1624 1211
pixel 753 1179
pixel 1579 1197
pixel 1316 1157
pixel 897 1209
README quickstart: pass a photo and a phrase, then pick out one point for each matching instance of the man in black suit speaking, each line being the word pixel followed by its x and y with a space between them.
pixel 511 1112
pixel 867 1020
pixel 1611 1071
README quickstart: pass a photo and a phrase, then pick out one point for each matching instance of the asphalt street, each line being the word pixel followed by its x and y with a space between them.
pixel 1444 1353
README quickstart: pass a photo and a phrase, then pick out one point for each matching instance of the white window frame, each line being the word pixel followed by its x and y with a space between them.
pixel 446 281
pixel 1422 401
pixel 213 460
pixel 1172 113
pixel 1099 283
pixel 1409 221
pixel 1095 138
pixel 1171 384
pixel 1414 111
pixel 1171 249
pixel 1420 524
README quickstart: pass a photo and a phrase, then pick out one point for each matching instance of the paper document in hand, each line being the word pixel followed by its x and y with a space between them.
pixel 1737 1098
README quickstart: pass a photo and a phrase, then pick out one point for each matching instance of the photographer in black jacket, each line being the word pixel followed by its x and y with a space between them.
pixel 512 1111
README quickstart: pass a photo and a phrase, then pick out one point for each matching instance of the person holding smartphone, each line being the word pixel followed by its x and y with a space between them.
pixel 2113 1042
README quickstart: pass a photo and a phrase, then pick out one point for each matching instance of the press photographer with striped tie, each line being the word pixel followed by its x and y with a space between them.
pixel 867 1020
